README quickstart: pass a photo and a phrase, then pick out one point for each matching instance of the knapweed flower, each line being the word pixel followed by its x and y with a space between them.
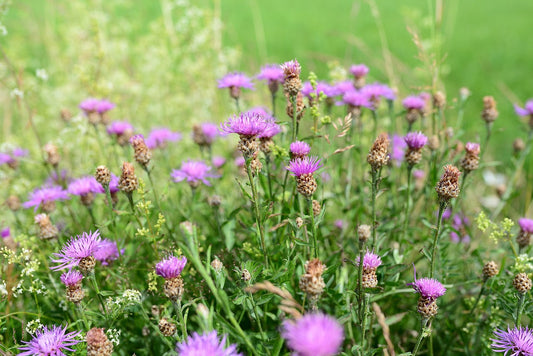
pixel 52 154
pixel 312 282
pixel 378 156
pixel 158 138
pixel 460 223
pixel 291 76
pixel 122 130
pixel 371 262
pixel 218 161
pixel 72 280
pixel 128 181
pixel 141 152
pixel 429 289
pixel 414 106
pixel 98 343
pixel 273 74
pixel 299 149
pixel 527 110
pixel 398 147
pixel 526 230
pixel 11 159
pixel 376 91
pixel 313 335
pixel 102 108
pixel 78 251
pixel 415 142
pixel 50 342
pixel 359 72
pixel 490 269
pixel 106 252
pixel 344 87
pixel 207 344
pixel 96 109
pixel 194 172
pixel 321 87
pixel 45 197
pixel 355 100
pixel 522 283
pixel 5 233
pixel 470 162
pixel 235 82
pixel 102 175
pixel 513 342
pixel 448 185
pixel 170 269
pixel 85 188
pixel 248 126
pixel 204 134
pixel 303 169
pixel 47 230
pixel 265 137
pixel 490 112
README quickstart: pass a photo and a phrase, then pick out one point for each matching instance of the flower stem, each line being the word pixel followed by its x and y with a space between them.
pixel 442 207
pixel 408 207
pixel 375 182
pixel 294 118
pixel 360 280
pixel 478 297
pixel 273 97
pixel 183 324
pixel 520 308
pixel 421 336
pixel 313 226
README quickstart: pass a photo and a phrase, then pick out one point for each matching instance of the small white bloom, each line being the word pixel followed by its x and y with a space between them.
pixel 17 93
pixel 42 74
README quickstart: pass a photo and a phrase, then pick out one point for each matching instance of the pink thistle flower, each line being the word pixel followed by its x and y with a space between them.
pixel 5 233
pixel 104 106
pixel 419 174
pixel 113 184
pixel 321 87
pixel 210 132
pixel 413 103
pixel 206 344
pixel 428 288
pixel 306 165
pixel 89 105
pixel 415 140
pixel 299 149
pixel 246 124
pixel 218 161
pixel 77 249
pixel 271 73
pixel 106 252
pixel 291 69
pixel 193 172
pixel 356 99
pixel 240 161
pixel 370 260
pixel 313 335
pixel 376 91
pixel 45 195
pixel 472 148
pixel 526 110
pixel 344 87
pixel 459 223
pixel 50 342
pixel 271 130
pixel 170 267
pixel 71 278
pixel 85 185
pixel 515 342
pixel 158 138
pixel 118 128
pixel 235 80
pixel 398 149
pixel 526 225
pixel 359 70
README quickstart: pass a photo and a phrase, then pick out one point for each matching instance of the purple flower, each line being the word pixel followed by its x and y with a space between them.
pixel 356 98
pixel 5 158
pixel 19 152
pixel 44 195
pixel 206 344
pixel 113 184
pixel 54 178
pixel 84 186
pixel 339 224
pixel 218 161
pixel 193 172
pixel 472 148
pixel 50 342
pixel 306 165
pixel 271 130
pixel 271 73
pixel 359 70
pixel 106 252
pixel 344 87
pixel 415 140
pixel 76 249
pixel 526 225
pixel 300 148
pixel 517 341
pixel 71 278
pixel 446 214
pixel 376 91
pixel 240 161
pixel 291 69
pixel 419 173
pixel 170 267
pixel 210 132
pixel 89 105
pixel 527 110
pixel 246 124
pixel 159 137
pixel 370 260
pixel 6 232
pixel 398 149
pixel 119 128
pixel 104 106
pixel 236 80
pixel 321 87
pixel 413 103
pixel 428 288
pixel 459 223
pixel 313 335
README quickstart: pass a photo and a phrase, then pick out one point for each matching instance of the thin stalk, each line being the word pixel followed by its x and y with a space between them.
pixel 375 118
pixel 481 291
pixel 269 179
pixel 273 98
pixel 520 308
pixel 97 290
pixel 181 320
pixel 408 207
pixel 375 182
pixel 442 207
pixel 421 336
pixel 366 298
pixel 149 174
pixel 313 226
pixel 91 213
pixel 294 118
pixel 360 280
pixel 255 202
pixel 237 105
pixel 254 306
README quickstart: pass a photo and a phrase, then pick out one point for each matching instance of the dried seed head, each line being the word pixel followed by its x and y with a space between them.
pixel 173 288
pixel 155 310
pixel 489 113
pixel 214 201
pixel 75 293
pixel 306 184
pixel 523 238
pixel 299 222
pixel 490 269
pixel 379 153
pixel 52 154
pixel 13 203
pixel 46 229
pixel 434 143
pixel 364 231
pixel 316 207
pixel 255 165
pixel 245 275
pixel 311 282
pixel 413 156
pixel 300 106
pixel 97 343
pixel 427 307
pixel 66 115
pixel 370 278
pixel 265 145
pixel 248 145
pixel 87 265
pixel 522 283
pixel 439 100
pixel 217 265
pixel 102 175
pixel 518 145
pixel 166 327
pixel 470 162
pixel 142 153
pixel 128 181
pixel 448 185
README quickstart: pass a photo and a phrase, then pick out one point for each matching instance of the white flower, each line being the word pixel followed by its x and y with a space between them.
pixel 17 93
pixel 42 74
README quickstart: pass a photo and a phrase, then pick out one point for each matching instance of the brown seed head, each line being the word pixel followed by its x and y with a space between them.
pixel 52 154
pixel 448 185
pixel 46 229
pixel 102 175
pixel 489 113
pixel 490 269
pixel 166 327
pixel 97 343
pixel 364 231
pixel 13 203
pixel 522 283
pixel 518 145
pixel 66 115
pixel 142 153
pixel 439 100
pixel 378 156
pixel 128 181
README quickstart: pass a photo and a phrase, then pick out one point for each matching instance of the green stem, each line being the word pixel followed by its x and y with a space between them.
pixel 408 207
pixel 255 202
pixel 442 207
pixel 360 280
pixel 183 324
pixel 273 97
pixel 421 336
pixel 254 306
pixel 237 105
pixel 97 290
pixel 520 308
pixel 149 174
pixel 478 297
pixel 294 118
pixel 375 182
pixel 366 298
pixel 313 226
pixel 267 163
pixel 375 118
